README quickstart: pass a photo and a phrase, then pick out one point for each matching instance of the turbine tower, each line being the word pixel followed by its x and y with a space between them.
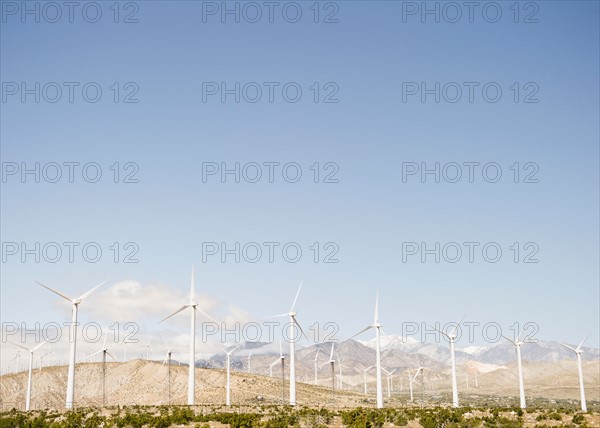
pixel 377 326
pixel 282 359
pixel 518 344
pixel 249 361
pixel 31 351
pixel 578 351
pixel 70 400
pixel 389 381
pixel 452 340
pixel 412 379
pixel 105 352
pixel 332 363
pixel 292 337
pixel 192 358
pixel 167 361
pixel 228 389
pixel 365 377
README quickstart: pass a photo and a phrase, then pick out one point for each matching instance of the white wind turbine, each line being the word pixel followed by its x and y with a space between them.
pixel 518 343
pixel 331 362
pixel 389 381
pixel 452 337
pixel 340 367
pixel 249 361
pixel 31 351
pixel 412 379
pixel 377 326
pixel 105 352
pixel 17 359
pixel 228 389
pixel 282 360
pixel 167 360
pixel 49 353
pixel 365 377
pixel 292 337
pixel 148 348
pixel 192 358
pixel 316 366
pixel 578 351
pixel 70 400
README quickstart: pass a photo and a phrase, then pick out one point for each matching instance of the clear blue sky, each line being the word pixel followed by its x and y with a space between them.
pixel 369 133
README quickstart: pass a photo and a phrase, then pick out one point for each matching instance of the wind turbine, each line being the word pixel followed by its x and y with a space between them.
pixel 377 326
pixel 70 400
pixel 44 356
pixel 228 390
pixel 17 359
pixel 192 358
pixel 282 360
pixel 332 363
pixel 148 348
pixel 340 367
pixel 105 352
pixel 578 351
pixel 365 377
pixel 518 342
pixel 292 336
pixel 412 379
pixel 249 360
pixel 452 340
pixel 31 351
pixel 316 366
pixel 389 381
pixel 167 361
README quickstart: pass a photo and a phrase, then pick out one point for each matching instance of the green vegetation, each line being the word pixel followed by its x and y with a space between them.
pixel 300 417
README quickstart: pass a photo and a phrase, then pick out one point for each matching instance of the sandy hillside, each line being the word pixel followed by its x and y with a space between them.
pixel 145 383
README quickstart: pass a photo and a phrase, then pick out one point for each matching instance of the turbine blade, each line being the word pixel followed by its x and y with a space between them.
pixel 111 356
pixel 207 316
pixel 331 354
pixel 84 295
pixel 376 318
pixel 280 315
pixel 280 350
pixel 96 353
pixel 510 340
pixel 296 298
pixel 21 346
pixel 175 313
pixel 456 326
pixel 570 347
pixel 55 292
pixel 299 327
pixel 275 362
pixel 581 343
pixel 38 346
pixel 362 331
pixel 438 330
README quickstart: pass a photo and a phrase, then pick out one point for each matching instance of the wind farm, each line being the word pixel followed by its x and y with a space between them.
pixel 247 374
